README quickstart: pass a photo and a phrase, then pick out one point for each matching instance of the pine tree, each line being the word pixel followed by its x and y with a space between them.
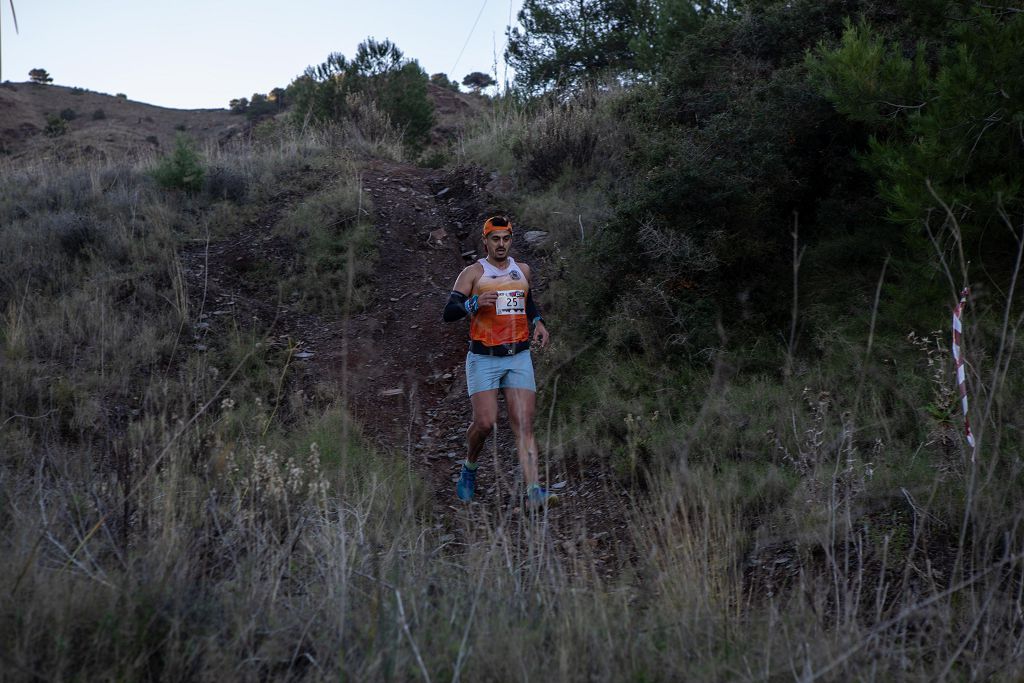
pixel 40 76
pixel 478 80
pixel 945 121
pixel 380 72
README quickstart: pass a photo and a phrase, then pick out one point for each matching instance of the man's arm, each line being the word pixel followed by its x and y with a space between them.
pixel 460 303
pixel 532 312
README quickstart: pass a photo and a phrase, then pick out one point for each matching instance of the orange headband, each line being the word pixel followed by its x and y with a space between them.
pixel 490 227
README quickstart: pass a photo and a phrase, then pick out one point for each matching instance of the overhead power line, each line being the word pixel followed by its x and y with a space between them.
pixel 478 15
pixel 14 15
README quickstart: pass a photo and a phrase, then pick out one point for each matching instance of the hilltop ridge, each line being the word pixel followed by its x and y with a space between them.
pixel 108 126
pixel 101 125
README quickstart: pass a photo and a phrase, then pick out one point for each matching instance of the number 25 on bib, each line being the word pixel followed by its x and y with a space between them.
pixel 511 302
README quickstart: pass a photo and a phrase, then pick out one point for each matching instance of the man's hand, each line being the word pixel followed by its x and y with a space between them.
pixel 487 299
pixel 540 334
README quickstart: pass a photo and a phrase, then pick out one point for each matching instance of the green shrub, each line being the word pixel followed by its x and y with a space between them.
pixel 404 97
pixel 99 115
pixel 442 81
pixel 260 106
pixel 55 126
pixel 68 114
pixel 182 169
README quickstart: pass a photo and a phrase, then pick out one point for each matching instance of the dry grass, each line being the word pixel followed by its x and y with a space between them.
pixel 163 515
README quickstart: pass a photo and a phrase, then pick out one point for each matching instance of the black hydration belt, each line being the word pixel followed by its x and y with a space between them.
pixel 500 350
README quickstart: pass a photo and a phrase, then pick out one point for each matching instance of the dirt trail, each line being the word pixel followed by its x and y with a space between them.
pixel 403 368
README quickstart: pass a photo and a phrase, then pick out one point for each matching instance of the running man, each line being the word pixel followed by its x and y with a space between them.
pixel 495 293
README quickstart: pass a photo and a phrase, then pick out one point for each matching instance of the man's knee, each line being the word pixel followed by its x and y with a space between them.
pixel 483 423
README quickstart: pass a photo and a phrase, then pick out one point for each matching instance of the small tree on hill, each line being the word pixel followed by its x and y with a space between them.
pixel 378 72
pixel 40 76
pixel 570 42
pixel 443 81
pixel 277 96
pixel 404 99
pixel 181 170
pixel 377 58
pixel 478 80
pixel 260 105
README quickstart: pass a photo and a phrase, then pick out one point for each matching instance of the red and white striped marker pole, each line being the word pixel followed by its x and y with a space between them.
pixel 958 358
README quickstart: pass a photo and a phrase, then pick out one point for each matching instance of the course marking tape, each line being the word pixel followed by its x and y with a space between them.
pixel 958 358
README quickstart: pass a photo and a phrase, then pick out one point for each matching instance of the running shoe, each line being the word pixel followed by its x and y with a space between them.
pixel 467 483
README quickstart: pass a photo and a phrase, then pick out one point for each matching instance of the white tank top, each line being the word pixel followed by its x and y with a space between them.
pixel 512 272
pixel 505 322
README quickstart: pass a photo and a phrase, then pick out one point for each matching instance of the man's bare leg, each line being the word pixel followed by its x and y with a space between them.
pixel 521 404
pixel 485 412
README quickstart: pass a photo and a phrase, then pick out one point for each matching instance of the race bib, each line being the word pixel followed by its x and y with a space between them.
pixel 511 302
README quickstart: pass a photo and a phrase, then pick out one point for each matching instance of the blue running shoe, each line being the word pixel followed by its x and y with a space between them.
pixel 467 483
pixel 538 497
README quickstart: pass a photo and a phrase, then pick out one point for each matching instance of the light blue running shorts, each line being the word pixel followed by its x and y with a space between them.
pixel 499 372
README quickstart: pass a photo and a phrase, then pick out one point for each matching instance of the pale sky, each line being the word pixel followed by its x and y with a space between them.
pixel 194 54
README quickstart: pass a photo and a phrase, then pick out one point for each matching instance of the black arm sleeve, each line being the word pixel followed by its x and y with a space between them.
pixel 531 306
pixel 455 309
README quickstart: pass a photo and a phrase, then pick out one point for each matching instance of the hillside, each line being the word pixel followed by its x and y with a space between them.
pixel 231 415
pixel 264 292
pixel 109 127
pixel 453 112
pixel 103 126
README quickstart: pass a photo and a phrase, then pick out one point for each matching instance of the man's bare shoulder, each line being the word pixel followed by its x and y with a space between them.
pixel 468 278
pixel 525 268
pixel 473 270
